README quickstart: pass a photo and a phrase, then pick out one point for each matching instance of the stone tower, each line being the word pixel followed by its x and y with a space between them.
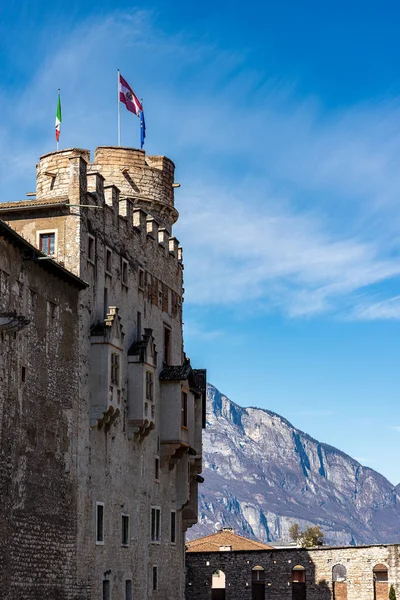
pixel 140 409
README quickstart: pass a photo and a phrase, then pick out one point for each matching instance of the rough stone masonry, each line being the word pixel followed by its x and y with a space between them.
pixel 121 403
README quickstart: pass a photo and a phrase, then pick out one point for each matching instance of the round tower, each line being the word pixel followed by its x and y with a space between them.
pixel 147 180
pixel 53 173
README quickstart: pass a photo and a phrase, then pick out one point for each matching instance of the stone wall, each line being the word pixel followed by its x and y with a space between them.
pixel 121 209
pixel 39 383
pixel 318 563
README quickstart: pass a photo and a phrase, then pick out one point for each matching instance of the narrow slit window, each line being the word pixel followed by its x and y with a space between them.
pixel 155 578
pixel 167 345
pixel 91 248
pixel 108 260
pixel 157 468
pixel 99 523
pixel 173 527
pixel 114 368
pixel 184 416
pixel 149 386
pixel 106 590
pixel 125 530
pixel 124 272
pixel 128 590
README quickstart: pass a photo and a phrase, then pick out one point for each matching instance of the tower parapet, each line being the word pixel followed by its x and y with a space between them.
pixel 147 180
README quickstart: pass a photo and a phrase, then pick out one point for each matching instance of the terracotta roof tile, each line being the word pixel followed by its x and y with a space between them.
pixel 213 543
pixel 32 203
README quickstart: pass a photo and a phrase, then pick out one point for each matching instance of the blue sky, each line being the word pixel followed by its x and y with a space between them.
pixel 283 119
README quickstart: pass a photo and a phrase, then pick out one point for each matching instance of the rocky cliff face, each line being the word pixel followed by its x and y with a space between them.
pixel 262 474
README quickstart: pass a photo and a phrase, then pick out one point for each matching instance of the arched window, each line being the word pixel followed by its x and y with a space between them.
pixel 380 573
pixel 218 584
pixel 339 576
pixel 299 590
pixel 339 573
pixel 257 583
pixel 381 585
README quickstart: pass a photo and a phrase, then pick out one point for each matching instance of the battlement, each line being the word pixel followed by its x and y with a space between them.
pixel 146 181
pixel 133 193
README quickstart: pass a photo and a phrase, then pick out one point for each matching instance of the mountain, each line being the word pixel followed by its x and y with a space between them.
pixel 262 474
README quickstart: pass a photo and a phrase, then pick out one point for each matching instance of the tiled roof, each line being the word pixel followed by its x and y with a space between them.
pixel 176 373
pixel 4 206
pixel 224 538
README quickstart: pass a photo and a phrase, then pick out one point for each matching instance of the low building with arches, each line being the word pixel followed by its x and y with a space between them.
pixel 232 572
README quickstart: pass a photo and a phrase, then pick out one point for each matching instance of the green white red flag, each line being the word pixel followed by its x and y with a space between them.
pixel 58 117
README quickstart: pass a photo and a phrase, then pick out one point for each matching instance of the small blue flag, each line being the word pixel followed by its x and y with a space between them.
pixel 142 129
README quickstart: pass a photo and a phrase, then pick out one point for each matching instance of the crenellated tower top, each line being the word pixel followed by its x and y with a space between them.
pixel 147 181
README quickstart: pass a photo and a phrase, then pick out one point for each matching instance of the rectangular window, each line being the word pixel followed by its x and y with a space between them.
pixel 91 248
pixel 155 532
pixel 138 326
pixel 99 523
pixel 23 374
pixel 128 590
pixel 149 386
pixel 141 279
pixel 184 415
pixel 157 468
pixel 47 243
pixel 155 579
pixel 106 590
pixel 125 530
pixel 108 265
pixel 173 527
pixel 124 272
pixel 167 345
pixel 105 302
pixel 114 369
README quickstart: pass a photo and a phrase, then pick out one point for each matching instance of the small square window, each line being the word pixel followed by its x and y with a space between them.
pixel 125 530
pixel 108 265
pixel 91 248
pixel 155 579
pixel 157 468
pixel 47 243
pixel 155 531
pixel 99 523
pixel 124 272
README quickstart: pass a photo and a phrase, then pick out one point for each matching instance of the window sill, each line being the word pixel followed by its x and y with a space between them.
pixel 99 543
pixel 156 542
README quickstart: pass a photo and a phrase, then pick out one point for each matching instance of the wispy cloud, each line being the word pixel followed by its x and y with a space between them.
pixel 285 206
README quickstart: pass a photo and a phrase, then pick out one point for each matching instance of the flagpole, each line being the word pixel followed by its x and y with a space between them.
pixel 57 101
pixel 119 112
pixel 141 125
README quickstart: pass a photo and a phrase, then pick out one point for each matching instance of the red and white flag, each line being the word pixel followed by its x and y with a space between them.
pixel 127 96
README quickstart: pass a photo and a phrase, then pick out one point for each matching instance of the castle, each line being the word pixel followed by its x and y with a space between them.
pixel 101 413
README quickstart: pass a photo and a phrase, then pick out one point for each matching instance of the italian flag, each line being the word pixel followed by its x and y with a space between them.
pixel 58 117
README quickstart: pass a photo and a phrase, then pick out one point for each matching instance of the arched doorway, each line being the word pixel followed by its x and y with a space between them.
pixel 257 583
pixel 381 585
pixel 218 585
pixel 299 591
pixel 339 578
